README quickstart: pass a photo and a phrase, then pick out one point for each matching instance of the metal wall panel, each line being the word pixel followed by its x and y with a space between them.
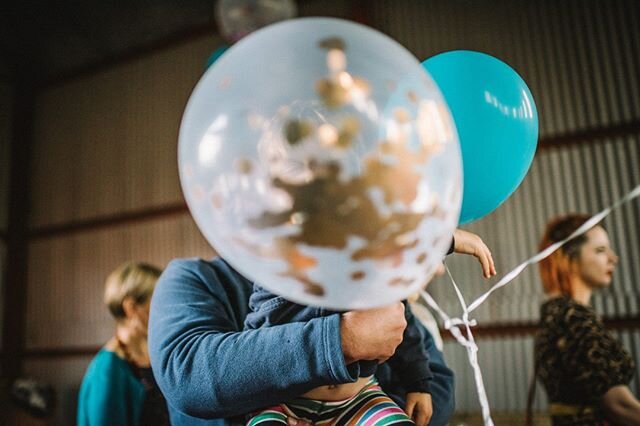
pixel 579 58
pixel 107 143
pixel 66 276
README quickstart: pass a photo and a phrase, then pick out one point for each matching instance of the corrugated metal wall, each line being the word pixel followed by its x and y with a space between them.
pixel 582 178
pixel 66 276
pixel 580 58
pixel 106 145
pixel 581 61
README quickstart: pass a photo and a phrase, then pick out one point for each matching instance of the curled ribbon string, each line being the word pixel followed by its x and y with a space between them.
pixel 454 324
pixel 472 351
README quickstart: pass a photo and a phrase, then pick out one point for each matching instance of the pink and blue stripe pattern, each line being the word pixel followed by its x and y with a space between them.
pixel 369 407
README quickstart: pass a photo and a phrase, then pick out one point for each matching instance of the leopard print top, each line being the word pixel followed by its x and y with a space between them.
pixel 578 360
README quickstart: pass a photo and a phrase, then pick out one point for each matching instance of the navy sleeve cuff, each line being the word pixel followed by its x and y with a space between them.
pixel 453 245
pixel 421 386
pixel 341 372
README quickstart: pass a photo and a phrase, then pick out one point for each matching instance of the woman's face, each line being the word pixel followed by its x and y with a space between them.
pixel 137 315
pixel 142 312
pixel 597 260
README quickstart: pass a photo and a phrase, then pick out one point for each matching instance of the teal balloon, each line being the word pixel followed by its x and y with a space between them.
pixel 497 124
pixel 215 56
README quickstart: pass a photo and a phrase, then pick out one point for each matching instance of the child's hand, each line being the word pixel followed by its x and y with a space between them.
pixel 292 421
pixel 419 407
pixel 468 243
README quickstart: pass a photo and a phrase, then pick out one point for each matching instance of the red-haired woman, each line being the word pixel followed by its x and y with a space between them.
pixel 584 369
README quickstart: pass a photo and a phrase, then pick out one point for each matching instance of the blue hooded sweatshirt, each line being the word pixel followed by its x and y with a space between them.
pixel 213 373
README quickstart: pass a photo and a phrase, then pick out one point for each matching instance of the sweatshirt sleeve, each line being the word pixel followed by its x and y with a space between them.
pixel 411 360
pixel 207 367
pixel 441 387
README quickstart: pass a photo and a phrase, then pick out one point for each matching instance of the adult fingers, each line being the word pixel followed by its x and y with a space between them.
pixel 409 407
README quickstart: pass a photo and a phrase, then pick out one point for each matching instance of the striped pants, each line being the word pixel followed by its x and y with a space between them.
pixel 369 407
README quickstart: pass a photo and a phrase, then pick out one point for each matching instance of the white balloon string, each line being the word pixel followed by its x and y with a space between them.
pixel 454 324
pixel 472 353
pixel 458 292
pixel 472 350
pixel 448 323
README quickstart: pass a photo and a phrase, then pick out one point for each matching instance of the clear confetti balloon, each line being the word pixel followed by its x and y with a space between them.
pixel 320 160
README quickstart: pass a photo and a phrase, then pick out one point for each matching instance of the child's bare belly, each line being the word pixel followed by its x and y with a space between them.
pixel 337 392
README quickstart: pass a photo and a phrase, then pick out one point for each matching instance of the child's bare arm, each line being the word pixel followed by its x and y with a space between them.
pixel 469 243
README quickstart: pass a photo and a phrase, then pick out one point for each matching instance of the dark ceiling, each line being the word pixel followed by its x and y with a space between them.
pixel 41 41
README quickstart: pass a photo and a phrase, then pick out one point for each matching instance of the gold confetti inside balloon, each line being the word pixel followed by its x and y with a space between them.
pixel 321 161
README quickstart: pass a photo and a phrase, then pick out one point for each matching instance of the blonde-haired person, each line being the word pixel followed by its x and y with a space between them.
pixel 584 369
pixel 118 387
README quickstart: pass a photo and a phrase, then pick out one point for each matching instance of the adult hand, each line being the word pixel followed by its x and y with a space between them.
pixel 469 243
pixel 372 334
pixel 134 337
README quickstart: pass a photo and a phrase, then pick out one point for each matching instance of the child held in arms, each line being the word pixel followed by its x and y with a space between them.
pixel 350 403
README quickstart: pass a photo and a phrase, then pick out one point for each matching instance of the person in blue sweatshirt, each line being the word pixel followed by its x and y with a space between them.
pixel 214 372
pixel 351 403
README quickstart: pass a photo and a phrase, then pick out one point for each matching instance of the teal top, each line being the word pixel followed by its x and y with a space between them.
pixel 110 394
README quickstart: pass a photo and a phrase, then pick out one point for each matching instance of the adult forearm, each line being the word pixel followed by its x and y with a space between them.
pixel 622 406
pixel 625 415
pixel 213 375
